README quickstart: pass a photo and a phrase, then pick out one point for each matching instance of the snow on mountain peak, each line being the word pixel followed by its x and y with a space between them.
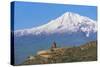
pixel 68 22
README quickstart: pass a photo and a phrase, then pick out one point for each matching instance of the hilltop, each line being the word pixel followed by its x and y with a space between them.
pixel 85 52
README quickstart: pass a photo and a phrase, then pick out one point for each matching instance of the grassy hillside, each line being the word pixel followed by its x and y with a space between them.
pixel 86 52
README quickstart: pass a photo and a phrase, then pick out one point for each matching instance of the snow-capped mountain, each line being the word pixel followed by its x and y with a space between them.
pixel 67 23
pixel 70 29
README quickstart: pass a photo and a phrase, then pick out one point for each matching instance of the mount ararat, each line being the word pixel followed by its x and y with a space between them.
pixel 69 29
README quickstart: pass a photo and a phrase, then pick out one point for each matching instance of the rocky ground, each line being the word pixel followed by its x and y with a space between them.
pixel 86 52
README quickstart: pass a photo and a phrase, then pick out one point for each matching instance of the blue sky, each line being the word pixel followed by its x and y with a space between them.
pixel 28 15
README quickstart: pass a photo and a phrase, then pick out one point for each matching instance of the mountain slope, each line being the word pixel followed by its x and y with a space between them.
pixel 68 22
